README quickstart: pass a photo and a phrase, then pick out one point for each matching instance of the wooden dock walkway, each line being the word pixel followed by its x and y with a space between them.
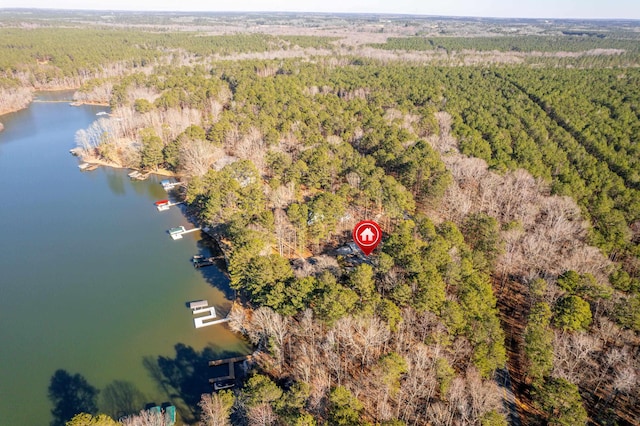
pixel 188 231
pixel 229 360
pixel 86 167
pixel 177 232
pixel 164 205
pixel 231 363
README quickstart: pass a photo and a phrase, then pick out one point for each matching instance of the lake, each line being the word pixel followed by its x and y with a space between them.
pixel 90 281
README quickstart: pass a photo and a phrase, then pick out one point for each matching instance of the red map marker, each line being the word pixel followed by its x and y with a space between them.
pixel 367 235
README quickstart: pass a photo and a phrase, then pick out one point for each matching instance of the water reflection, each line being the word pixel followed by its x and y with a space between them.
pixel 155 191
pixel 116 182
pixel 140 189
pixel 55 96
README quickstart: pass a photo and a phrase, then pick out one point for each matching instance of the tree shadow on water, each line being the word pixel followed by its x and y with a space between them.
pixel 70 394
pixel 185 378
pixel 215 275
pixel 121 398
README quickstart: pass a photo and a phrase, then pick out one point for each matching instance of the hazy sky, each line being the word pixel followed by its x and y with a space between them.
pixel 629 9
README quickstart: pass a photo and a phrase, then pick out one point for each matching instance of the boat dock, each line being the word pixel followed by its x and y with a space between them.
pixel 200 307
pixel 86 167
pixel 200 261
pixel 137 175
pixel 227 381
pixel 198 304
pixel 177 232
pixel 169 184
pixel 206 320
pixel 164 205
pixel 165 414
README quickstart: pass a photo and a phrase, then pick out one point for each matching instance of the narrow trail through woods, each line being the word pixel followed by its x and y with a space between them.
pixel 514 310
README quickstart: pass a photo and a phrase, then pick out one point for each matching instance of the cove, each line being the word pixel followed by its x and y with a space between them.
pixel 90 281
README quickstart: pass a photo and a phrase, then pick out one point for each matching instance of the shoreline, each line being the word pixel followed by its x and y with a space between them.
pixel 15 109
pixel 35 90
pixel 103 163
pixel 11 111
pixel 80 103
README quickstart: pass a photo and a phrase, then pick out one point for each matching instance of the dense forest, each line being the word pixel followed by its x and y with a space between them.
pixel 66 58
pixel 579 42
pixel 508 197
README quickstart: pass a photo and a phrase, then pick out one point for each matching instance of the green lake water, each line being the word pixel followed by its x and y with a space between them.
pixel 90 281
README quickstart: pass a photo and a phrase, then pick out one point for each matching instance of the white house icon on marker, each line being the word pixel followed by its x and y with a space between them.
pixel 367 235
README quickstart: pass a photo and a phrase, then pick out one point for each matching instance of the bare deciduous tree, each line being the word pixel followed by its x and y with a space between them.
pixel 197 157
pixel 214 411
pixel 99 93
pixel 13 99
pixel 261 415
pixel 574 356
pixel 146 418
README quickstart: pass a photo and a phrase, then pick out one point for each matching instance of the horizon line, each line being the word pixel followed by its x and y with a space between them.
pixel 290 12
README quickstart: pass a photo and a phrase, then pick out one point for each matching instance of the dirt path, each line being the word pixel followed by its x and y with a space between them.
pixel 513 306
